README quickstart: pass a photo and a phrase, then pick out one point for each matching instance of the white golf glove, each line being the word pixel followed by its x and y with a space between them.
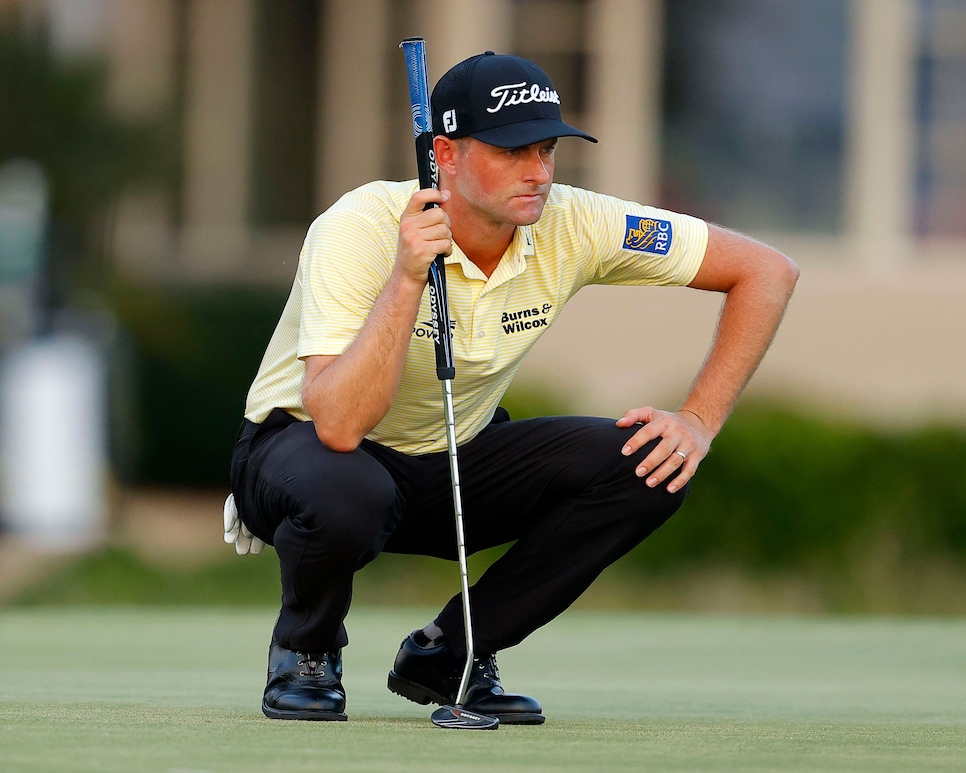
pixel 237 532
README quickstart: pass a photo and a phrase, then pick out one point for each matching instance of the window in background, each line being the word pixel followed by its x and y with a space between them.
pixel 941 119
pixel 754 112
pixel 400 158
pixel 551 33
pixel 284 109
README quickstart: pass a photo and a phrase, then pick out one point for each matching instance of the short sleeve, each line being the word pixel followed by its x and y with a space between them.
pixel 343 267
pixel 635 244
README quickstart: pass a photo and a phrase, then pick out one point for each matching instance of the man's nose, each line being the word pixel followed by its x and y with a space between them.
pixel 537 168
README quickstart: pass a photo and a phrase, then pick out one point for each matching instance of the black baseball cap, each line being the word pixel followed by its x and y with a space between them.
pixel 501 100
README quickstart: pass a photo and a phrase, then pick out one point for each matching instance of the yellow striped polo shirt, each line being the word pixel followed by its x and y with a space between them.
pixel 581 238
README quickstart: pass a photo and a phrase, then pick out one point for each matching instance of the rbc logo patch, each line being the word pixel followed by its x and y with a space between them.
pixel 648 234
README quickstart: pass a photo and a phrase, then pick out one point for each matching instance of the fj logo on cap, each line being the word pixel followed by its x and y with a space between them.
pixel 648 234
pixel 449 121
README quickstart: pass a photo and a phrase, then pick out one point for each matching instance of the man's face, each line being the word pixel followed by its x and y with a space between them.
pixel 505 185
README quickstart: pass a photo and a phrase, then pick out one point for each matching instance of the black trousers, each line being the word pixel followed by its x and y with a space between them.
pixel 558 488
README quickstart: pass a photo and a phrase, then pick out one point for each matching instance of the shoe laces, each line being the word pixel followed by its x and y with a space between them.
pixel 487 668
pixel 314 663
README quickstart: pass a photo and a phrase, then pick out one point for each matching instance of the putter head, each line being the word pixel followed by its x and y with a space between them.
pixel 458 718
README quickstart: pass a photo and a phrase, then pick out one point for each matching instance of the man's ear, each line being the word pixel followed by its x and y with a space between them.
pixel 445 151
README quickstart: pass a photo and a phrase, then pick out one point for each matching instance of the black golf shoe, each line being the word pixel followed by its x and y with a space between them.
pixel 432 674
pixel 304 685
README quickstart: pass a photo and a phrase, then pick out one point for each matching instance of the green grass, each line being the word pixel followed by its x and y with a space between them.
pixel 177 690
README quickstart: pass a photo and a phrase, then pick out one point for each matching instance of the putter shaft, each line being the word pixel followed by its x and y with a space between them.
pixel 460 539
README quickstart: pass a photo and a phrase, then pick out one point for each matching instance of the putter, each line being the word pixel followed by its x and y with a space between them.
pixel 449 716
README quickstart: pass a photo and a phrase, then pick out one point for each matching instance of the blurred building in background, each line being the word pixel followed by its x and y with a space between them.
pixel 832 129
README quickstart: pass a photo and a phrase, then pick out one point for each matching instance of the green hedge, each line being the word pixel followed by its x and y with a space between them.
pixel 195 351
pixel 781 490
pixel 848 518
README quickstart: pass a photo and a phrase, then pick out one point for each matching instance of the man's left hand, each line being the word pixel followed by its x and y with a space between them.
pixel 237 533
pixel 685 441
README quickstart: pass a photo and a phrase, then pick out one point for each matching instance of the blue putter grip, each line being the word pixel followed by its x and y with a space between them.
pixel 414 50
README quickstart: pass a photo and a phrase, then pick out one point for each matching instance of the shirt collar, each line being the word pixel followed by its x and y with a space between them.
pixel 512 264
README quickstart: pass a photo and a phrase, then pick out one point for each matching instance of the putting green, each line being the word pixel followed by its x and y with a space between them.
pixel 141 689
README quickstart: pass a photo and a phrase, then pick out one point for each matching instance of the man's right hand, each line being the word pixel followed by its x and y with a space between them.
pixel 346 395
pixel 423 234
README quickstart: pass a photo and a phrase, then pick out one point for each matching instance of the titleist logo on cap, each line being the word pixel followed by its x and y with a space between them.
pixel 520 94
pixel 499 99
